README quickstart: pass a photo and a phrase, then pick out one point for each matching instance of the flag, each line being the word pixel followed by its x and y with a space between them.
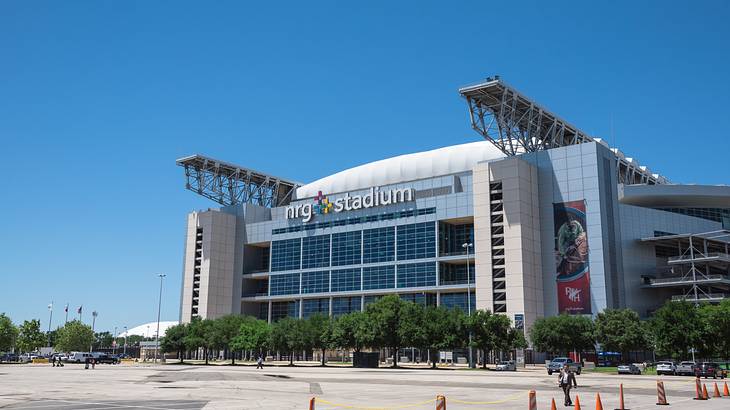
pixel 66 309
pixel 80 309
pixel 50 306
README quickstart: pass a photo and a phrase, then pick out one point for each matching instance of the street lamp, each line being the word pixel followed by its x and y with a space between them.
pixel 125 340
pixel 467 246
pixel 114 343
pixel 50 319
pixel 94 314
pixel 159 307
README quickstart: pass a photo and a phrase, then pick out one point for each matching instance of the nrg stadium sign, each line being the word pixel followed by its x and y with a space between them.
pixel 322 205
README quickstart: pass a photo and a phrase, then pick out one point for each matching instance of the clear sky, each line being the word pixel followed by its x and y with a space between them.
pixel 98 99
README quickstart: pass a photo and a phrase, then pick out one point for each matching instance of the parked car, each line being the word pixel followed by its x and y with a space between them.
pixel 686 368
pixel 506 366
pixel 666 368
pixel 9 357
pixel 79 357
pixel 628 368
pixel 104 358
pixel 27 357
pixel 557 363
pixel 710 369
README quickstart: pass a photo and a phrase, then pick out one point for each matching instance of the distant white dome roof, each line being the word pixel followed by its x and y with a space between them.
pixel 149 329
pixel 409 167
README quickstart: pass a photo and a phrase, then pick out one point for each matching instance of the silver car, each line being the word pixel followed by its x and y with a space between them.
pixel 506 366
pixel 628 369
pixel 667 368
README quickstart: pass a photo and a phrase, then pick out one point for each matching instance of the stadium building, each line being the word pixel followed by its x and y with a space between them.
pixel 536 219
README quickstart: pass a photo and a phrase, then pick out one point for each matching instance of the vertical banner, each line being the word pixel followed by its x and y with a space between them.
pixel 571 253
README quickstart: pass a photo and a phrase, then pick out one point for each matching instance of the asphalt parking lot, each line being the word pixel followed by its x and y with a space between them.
pixel 244 387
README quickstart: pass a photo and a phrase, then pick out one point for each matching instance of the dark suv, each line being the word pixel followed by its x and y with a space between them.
pixel 710 369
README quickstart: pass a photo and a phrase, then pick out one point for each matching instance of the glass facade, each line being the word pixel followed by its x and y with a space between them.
pixel 284 309
pixel 421 298
pixel 458 300
pixel 417 241
pixel 378 277
pixel 316 252
pixel 314 306
pixel 315 282
pixel 344 280
pixel 452 238
pixel 453 274
pixel 285 255
pixel 284 284
pixel 346 248
pixel 417 274
pixel 341 306
pixel 378 245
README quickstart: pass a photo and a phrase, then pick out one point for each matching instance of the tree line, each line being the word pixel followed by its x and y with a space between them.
pixel 74 335
pixel 671 332
pixel 390 323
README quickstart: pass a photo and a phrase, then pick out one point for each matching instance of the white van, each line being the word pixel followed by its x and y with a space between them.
pixel 79 357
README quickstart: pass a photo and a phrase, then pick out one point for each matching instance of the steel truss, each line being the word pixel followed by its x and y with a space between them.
pixel 703 260
pixel 515 124
pixel 230 184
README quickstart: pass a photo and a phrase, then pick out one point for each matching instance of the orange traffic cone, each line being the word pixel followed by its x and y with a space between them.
pixel 552 405
pixel 717 391
pixel 704 392
pixel 532 403
pixel 441 403
pixel 577 402
pixel 312 404
pixel 620 397
pixel 698 390
pixel 661 394
pixel 725 390
pixel 599 405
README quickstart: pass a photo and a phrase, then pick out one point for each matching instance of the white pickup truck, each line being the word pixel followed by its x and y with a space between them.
pixel 684 369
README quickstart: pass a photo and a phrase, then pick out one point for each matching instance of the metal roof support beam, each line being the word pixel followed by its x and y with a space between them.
pixel 230 184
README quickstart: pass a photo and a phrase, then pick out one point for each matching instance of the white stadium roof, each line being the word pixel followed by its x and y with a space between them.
pixel 409 167
pixel 149 329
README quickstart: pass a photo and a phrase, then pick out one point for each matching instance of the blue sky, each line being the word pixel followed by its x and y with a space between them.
pixel 98 99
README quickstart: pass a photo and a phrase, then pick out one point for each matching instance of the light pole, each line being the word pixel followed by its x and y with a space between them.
pixel 125 340
pixel 114 343
pixel 94 314
pixel 159 307
pixel 50 319
pixel 467 245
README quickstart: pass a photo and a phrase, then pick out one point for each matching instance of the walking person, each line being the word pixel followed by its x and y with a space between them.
pixel 259 362
pixel 566 379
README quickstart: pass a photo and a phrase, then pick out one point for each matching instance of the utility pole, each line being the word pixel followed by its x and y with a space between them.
pixel 467 245
pixel 159 307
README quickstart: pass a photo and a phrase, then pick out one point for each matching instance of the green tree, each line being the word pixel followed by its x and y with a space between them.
pixel 353 331
pixel 717 324
pixel 319 328
pixel 224 330
pixel 8 333
pixel 174 340
pixel 289 335
pixel 411 325
pixel 195 337
pixel 490 332
pixel 620 330
pixel 676 329
pixel 443 329
pixel 253 334
pixel 385 319
pixel 103 340
pixel 30 336
pixel 563 333
pixel 74 336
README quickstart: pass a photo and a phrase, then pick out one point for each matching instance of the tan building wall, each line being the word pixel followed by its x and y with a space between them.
pixel 213 254
pixel 520 250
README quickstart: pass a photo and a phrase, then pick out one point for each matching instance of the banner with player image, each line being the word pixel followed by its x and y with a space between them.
pixel 571 254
